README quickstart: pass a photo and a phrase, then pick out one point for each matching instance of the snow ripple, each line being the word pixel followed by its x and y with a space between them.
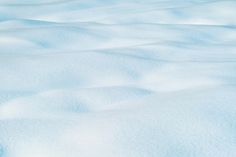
pixel 117 78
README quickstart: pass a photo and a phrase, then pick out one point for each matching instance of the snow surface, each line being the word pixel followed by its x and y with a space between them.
pixel 117 78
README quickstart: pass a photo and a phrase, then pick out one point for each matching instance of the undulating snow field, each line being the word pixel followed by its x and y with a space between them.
pixel 117 78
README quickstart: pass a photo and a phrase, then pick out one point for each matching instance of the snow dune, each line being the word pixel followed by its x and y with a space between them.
pixel 117 78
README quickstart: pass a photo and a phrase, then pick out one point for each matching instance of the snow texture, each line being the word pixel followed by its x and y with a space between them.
pixel 117 78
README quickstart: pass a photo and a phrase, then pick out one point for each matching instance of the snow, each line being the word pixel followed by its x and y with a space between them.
pixel 117 78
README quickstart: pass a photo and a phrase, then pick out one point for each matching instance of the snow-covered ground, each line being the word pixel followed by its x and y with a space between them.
pixel 117 78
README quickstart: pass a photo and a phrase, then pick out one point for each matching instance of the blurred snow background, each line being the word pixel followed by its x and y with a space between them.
pixel 117 78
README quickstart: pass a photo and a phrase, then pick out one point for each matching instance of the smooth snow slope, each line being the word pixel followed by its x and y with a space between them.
pixel 117 78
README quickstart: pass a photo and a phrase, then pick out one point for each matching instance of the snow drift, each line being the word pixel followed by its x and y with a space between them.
pixel 117 78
